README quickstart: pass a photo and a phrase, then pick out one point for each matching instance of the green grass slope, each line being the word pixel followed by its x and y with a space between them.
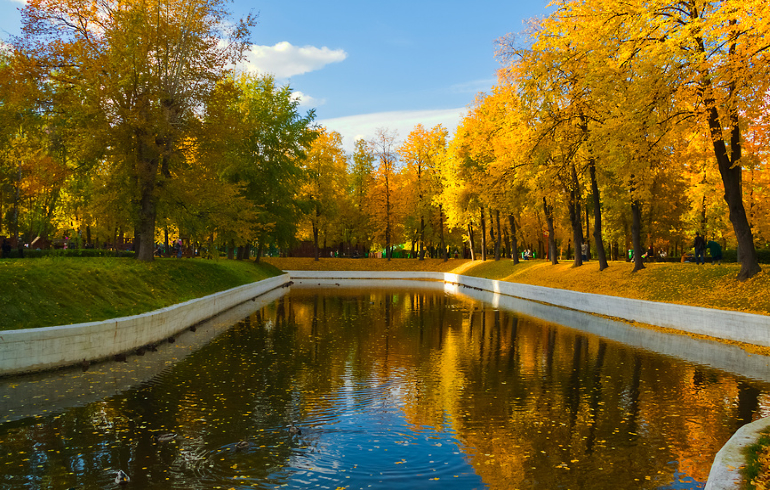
pixel 60 291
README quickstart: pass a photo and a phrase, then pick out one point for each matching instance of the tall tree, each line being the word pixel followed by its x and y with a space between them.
pixel 720 52
pixel 385 190
pixel 325 181
pixel 144 69
pixel 421 152
pixel 266 155
pixel 360 187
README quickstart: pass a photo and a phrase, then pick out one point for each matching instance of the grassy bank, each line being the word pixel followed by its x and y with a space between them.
pixel 60 291
pixel 711 286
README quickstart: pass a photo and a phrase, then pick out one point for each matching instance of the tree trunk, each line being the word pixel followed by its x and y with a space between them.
pixel 497 236
pixel 231 250
pixel 551 234
pixel 147 170
pixel 575 218
pixel 587 234
pixel 441 227
pixel 507 239
pixel 422 238
pixel 258 255
pixel 601 254
pixel 315 242
pixel 636 211
pixel 731 172
pixel 470 241
pixel 514 245
pixel 483 236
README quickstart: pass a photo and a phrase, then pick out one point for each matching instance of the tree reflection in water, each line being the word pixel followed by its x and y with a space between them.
pixel 391 389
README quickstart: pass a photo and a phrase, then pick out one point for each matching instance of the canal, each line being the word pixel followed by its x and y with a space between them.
pixel 398 387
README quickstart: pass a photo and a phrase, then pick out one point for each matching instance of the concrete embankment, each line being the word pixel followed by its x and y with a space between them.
pixel 38 349
pixel 719 324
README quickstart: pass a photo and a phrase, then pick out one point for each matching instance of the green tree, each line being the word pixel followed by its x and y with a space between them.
pixel 265 154
pixel 361 185
pixel 142 69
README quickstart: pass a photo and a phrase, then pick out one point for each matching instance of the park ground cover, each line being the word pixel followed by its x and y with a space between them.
pixel 61 291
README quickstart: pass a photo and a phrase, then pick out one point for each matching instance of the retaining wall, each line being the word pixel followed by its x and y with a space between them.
pixel 729 325
pixel 38 349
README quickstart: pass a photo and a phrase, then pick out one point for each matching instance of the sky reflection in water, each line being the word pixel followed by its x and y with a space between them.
pixel 407 389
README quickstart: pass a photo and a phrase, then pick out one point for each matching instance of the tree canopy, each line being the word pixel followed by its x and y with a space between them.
pixel 614 131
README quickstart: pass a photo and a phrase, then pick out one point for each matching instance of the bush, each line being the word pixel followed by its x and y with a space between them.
pixel 72 252
pixel 731 255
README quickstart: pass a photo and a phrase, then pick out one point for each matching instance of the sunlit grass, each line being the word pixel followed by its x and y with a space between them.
pixel 368 264
pixel 61 291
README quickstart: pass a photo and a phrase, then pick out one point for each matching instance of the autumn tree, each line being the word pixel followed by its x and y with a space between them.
pixel 360 187
pixel 142 70
pixel 421 152
pixel 324 188
pixel 384 193
pixel 719 51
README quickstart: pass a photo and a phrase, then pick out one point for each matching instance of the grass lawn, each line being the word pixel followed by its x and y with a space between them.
pixel 60 291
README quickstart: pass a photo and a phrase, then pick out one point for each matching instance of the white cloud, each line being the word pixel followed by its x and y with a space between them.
pixel 474 86
pixel 306 100
pixel 285 60
pixel 365 125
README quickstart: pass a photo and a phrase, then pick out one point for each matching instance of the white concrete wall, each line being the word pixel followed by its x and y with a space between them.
pixel 730 325
pixel 32 394
pixel 44 348
pixel 725 473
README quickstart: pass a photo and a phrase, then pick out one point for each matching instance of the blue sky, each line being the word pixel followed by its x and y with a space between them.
pixel 365 65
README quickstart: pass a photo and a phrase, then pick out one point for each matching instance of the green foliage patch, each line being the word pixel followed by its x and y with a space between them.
pixel 754 454
pixel 60 291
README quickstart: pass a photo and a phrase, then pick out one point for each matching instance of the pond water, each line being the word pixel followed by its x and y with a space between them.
pixel 389 388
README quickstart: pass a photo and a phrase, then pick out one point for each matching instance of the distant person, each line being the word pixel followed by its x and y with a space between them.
pixel 650 254
pixel 700 249
pixel 6 248
pixel 584 251
pixel 716 252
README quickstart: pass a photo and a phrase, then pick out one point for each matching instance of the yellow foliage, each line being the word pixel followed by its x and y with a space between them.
pixel 762 481
pixel 370 264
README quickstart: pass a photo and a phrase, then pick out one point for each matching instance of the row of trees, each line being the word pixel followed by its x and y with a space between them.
pixel 611 126
pixel 646 118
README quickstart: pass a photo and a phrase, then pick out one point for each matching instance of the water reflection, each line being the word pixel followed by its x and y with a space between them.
pixel 398 388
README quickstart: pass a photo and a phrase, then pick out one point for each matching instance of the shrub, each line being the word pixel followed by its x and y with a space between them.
pixel 731 255
pixel 72 252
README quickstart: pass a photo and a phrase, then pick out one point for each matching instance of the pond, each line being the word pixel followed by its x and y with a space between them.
pixel 398 387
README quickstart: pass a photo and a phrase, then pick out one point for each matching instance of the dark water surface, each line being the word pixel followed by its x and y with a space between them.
pixel 404 388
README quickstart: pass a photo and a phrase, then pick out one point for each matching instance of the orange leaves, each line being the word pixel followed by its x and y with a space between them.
pixel 371 264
